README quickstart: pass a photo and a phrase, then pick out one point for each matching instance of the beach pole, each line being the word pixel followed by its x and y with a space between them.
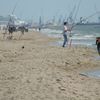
pixel 70 43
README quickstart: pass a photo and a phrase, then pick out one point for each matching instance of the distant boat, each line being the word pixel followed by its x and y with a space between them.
pixel 85 22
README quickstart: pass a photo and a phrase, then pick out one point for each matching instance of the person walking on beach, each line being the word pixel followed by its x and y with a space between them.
pixel 65 33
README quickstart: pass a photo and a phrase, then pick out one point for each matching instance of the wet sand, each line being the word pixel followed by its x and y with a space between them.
pixel 31 69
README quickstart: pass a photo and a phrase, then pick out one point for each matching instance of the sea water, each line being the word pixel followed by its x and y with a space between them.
pixel 92 73
pixel 81 34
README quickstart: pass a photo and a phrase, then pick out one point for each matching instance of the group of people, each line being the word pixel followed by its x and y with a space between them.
pixel 12 29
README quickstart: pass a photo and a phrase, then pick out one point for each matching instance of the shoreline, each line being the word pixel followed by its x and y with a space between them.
pixel 40 71
pixel 83 41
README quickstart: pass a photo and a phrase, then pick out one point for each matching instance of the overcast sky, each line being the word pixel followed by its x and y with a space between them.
pixel 32 9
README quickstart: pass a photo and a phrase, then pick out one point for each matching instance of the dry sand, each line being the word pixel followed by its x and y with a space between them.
pixel 31 69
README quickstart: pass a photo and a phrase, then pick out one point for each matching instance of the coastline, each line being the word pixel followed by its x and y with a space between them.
pixel 40 71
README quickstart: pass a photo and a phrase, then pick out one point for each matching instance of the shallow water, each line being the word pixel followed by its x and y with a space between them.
pixel 94 73
pixel 97 58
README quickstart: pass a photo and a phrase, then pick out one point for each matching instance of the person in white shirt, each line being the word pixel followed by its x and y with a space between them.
pixel 65 34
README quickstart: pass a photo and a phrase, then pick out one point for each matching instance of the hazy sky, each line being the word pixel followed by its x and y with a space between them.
pixel 32 9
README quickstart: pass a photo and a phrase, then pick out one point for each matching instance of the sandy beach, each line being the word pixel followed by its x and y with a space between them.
pixel 31 69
